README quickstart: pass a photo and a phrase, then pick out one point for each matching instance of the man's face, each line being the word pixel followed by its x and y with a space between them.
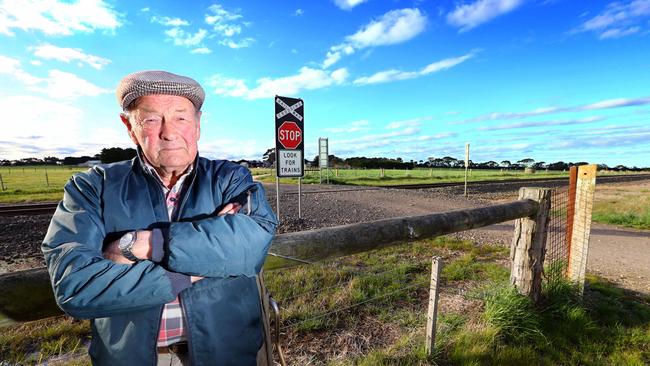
pixel 167 128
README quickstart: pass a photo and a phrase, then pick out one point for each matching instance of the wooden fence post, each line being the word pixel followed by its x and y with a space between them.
pixel 432 314
pixel 584 202
pixel 529 245
pixel 2 182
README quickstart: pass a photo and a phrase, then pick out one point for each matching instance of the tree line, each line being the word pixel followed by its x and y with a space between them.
pixel 113 154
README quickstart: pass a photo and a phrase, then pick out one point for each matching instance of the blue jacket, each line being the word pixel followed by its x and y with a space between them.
pixel 124 301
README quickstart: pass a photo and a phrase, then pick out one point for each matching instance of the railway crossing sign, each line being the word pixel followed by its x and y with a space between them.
pixel 289 136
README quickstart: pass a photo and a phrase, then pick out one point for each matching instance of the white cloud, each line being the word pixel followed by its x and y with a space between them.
pixel 228 24
pixel 11 66
pixel 396 26
pixel 618 32
pixel 170 22
pixel 232 149
pixel 49 127
pixel 617 20
pixel 64 85
pixel 603 104
pixel 201 50
pixel 298 12
pixel 51 52
pixel 356 126
pixel 144 10
pixel 468 16
pixel 242 43
pixel 57 18
pixel 348 4
pixel 529 124
pixel 415 122
pixel 306 79
pixel 182 38
pixel 395 75
pixel 58 84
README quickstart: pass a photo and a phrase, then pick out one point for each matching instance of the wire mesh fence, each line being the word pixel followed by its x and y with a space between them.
pixel 557 240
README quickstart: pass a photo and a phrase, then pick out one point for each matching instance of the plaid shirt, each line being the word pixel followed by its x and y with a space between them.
pixel 172 322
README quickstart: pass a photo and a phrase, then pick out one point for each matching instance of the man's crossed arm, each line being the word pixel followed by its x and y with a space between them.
pixel 143 246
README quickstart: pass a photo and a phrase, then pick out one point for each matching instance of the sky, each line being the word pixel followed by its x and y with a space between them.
pixel 550 80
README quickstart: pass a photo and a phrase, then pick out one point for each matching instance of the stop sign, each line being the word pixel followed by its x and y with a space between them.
pixel 289 135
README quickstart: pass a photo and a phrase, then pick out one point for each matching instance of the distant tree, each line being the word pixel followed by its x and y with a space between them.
pixel 539 165
pixel 505 164
pixel 560 165
pixel 76 160
pixel 269 157
pixel 113 154
pixel 450 162
pixel 51 160
pixel 526 162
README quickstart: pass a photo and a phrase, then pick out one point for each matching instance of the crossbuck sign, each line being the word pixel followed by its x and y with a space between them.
pixel 289 136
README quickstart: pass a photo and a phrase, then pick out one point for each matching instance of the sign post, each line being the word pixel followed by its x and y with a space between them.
pixel 323 158
pixel 466 165
pixel 289 143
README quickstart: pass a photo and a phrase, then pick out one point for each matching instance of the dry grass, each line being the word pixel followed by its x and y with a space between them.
pixel 625 204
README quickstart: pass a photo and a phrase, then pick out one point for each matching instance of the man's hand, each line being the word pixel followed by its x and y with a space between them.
pixel 230 209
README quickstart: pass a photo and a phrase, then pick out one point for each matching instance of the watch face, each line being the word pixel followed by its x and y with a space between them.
pixel 126 239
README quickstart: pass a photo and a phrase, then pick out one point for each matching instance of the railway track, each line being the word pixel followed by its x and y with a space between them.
pixel 48 208
pixel 30 209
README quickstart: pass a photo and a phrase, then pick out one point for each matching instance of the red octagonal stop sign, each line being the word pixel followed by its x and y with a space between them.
pixel 289 135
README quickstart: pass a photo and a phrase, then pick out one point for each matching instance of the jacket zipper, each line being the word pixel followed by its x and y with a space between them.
pixel 155 359
pixel 188 333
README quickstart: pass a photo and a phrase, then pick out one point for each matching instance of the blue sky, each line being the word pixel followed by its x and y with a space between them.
pixel 549 80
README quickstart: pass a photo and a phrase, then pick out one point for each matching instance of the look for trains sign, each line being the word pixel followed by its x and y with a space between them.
pixel 289 136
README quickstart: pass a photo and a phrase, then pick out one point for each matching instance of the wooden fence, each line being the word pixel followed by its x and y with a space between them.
pixel 290 249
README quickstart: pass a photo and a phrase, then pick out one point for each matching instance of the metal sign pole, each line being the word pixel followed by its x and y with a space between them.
pixel 277 197
pixel 466 165
pixel 299 196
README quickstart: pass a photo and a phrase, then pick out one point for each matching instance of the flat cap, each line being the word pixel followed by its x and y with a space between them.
pixel 143 83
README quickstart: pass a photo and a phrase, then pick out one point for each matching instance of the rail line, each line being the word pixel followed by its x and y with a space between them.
pixel 49 207
pixel 30 209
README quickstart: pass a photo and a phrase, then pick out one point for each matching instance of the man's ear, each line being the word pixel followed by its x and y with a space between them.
pixel 129 127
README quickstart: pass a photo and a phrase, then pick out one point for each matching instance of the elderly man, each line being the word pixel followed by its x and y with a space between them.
pixel 162 251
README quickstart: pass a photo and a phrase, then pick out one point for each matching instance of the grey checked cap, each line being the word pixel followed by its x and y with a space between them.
pixel 138 84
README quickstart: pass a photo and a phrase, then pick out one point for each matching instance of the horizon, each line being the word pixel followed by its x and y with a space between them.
pixel 550 80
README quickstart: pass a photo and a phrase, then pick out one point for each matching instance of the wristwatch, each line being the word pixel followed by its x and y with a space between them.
pixel 126 245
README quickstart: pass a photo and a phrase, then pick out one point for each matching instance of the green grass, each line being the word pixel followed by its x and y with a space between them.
pixel 606 327
pixel 29 183
pixel 373 177
pixel 36 342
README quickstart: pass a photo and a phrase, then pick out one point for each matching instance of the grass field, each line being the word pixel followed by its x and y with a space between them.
pixel 370 309
pixel 624 205
pixel 30 183
pixel 373 177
